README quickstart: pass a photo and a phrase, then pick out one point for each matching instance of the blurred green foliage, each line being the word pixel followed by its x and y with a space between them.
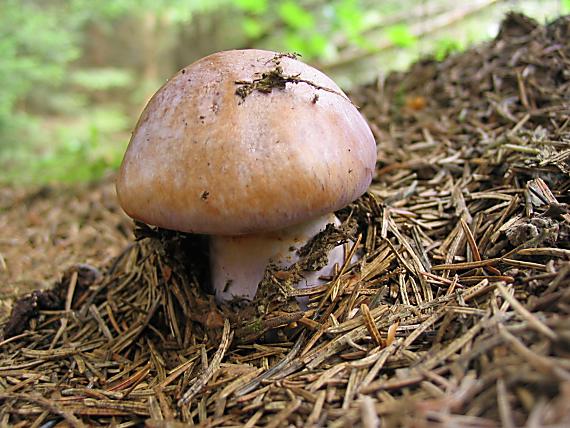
pixel 75 73
pixel 50 129
pixel 401 36
pixel 311 29
pixel 446 46
pixel 81 154
pixel 35 47
pixel 101 79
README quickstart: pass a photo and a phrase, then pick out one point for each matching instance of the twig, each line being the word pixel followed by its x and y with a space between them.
pixel 203 379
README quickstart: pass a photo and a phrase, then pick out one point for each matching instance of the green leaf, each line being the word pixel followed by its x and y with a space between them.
pixel 252 28
pixel 317 45
pixel 362 42
pixel 401 36
pixel 256 7
pixel 350 17
pixel 308 46
pixel 564 6
pixel 445 46
pixel 295 16
pixel 295 43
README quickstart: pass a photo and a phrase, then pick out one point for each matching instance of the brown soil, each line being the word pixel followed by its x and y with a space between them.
pixel 458 313
pixel 47 230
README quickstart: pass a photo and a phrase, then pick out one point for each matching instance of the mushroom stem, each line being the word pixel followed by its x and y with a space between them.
pixel 238 263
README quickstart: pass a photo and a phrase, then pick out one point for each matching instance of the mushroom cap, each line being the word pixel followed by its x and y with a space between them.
pixel 203 159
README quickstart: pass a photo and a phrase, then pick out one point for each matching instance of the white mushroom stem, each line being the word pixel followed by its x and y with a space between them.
pixel 238 263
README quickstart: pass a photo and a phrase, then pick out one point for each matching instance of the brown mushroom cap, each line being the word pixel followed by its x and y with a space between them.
pixel 202 159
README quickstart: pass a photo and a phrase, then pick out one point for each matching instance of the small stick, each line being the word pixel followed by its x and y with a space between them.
pixel 371 325
pixel 533 321
pixel 200 382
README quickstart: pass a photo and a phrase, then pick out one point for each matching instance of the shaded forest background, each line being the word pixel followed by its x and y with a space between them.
pixel 75 74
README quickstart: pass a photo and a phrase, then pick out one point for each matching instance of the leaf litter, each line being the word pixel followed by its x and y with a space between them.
pixel 456 314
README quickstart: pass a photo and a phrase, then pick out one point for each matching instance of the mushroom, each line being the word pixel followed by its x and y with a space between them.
pixel 255 149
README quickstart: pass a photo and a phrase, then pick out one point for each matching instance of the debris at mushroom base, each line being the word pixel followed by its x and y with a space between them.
pixel 242 262
pixel 271 185
pixel 279 284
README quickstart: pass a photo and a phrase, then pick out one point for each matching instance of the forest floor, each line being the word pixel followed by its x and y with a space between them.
pixel 457 314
